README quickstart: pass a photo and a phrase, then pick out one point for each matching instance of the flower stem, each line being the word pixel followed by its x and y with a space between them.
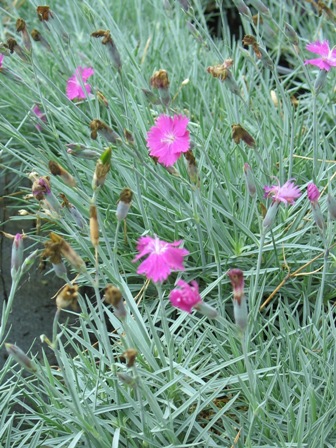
pixel 253 305
pixel 7 307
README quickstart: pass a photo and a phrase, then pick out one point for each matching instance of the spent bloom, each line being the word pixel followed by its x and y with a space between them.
pixel 287 193
pixel 327 57
pixel 313 196
pixel 168 138
pixel 163 258
pixel 77 81
pixel 239 300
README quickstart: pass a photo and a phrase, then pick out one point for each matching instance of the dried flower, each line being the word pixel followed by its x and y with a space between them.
pixel 124 203
pixel 102 168
pixel 37 37
pixel 169 138
pixel 14 47
pixel 192 168
pixel 67 297
pixel 57 245
pixel 57 170
pixel 74 212
pixel 162 258
pixel 223 73
pixel 21 27
pixel 77 87
pixel 160 81
pixel 44 13
pixel 249 40
pixel 103 129
pixel 328 55
pixel 287 194
pixel 20 357
pixel 110 45
pixel 239 300
pixel 130 354
pixel 239 133
pixel 41 191
pixel 113 296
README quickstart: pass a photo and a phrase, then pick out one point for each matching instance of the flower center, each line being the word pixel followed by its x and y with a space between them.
pixel 159 246
pixel 169 138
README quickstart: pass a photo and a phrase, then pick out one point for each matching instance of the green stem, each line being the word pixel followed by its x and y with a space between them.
pixel 199 230
pixel 253 305
pixel 166 331
pixel 315 140
pixel 7 306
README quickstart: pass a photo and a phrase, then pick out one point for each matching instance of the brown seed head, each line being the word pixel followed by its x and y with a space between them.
pixel 130 354
pixel 11 44
pixel 160 80
pixel 239 133
pixel 112 295
pixel 36 35
pixel 126 196
pixel 68 252
pixel 67 297
pixel 20 25
pixel 218 71
pixel 44 13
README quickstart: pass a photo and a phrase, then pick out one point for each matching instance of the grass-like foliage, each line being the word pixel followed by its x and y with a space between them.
pixel 142 373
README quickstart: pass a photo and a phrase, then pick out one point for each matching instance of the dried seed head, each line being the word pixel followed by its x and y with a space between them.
pixel 112 295
pixel 239 133
pixel 126 195
pixel 102 99
pixel 20 25
pixel 100 33
pixel 68 252
pixel 101 127
pixel 160 80
pixel 44 13
pixel 251 41
pixel 67 297
pixel 36 35
pixel 58 170
pixel 218 71
pixel 192 167
pixel 130 354
pixel 124 203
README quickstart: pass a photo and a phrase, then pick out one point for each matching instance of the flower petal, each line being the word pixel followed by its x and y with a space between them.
pixel 319 47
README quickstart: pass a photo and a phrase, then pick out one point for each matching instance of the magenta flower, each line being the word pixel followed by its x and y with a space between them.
pixel 169 138
pixel 163 258
pixel 75 84
pixel 39 114
pixel 328 56
pixel 1 59
pixel 286 194
pixel 186 297
pixel 312 192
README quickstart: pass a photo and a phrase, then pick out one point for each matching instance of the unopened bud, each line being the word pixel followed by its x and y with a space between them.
pixel 57 170
pixel 60 270
pixel 17 253
pixel 320 81
pixel 270 216
pixel 261 8
pixel 20 357
pixel 124 203
pixel 102 99
pixel 291 34
pixel 81 151
pixel 243 8
pixel 249 178
pixel 102 168
pixel 94 228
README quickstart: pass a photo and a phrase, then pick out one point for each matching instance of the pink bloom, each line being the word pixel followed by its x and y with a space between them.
pixel 1 59
pixel 286 194
pixel 312 192
pixel 169 138
pixel 39 114
pixel 75 84
pixel 328 56
pixel 162 258
pixel 186 297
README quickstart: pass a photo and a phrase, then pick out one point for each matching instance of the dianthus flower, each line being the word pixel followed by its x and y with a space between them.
pixel 168 138
pixel 163 258
pixel 286 194
pixel 328 56
pixel 312 192
pixel 186 297
pixel 1 59
pixel 75 83
pixel 39 114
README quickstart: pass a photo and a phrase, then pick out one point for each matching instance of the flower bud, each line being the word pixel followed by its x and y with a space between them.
pixel 291 34
pixel 270 216
pixel 17 254
pixel 249 178
pixel 94 228
pixel 102 168
pixel 124 203
pixel 20 357
pixel 243 8
pixel 320 81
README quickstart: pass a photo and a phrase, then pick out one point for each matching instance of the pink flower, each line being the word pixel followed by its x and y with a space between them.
pixel 75 84
pixel 312 192
pixel 1 59
pixel 186 297
pixel 286 194
pixel 328 56
pixel 162 258
pixel 169 138
pixel 39 114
